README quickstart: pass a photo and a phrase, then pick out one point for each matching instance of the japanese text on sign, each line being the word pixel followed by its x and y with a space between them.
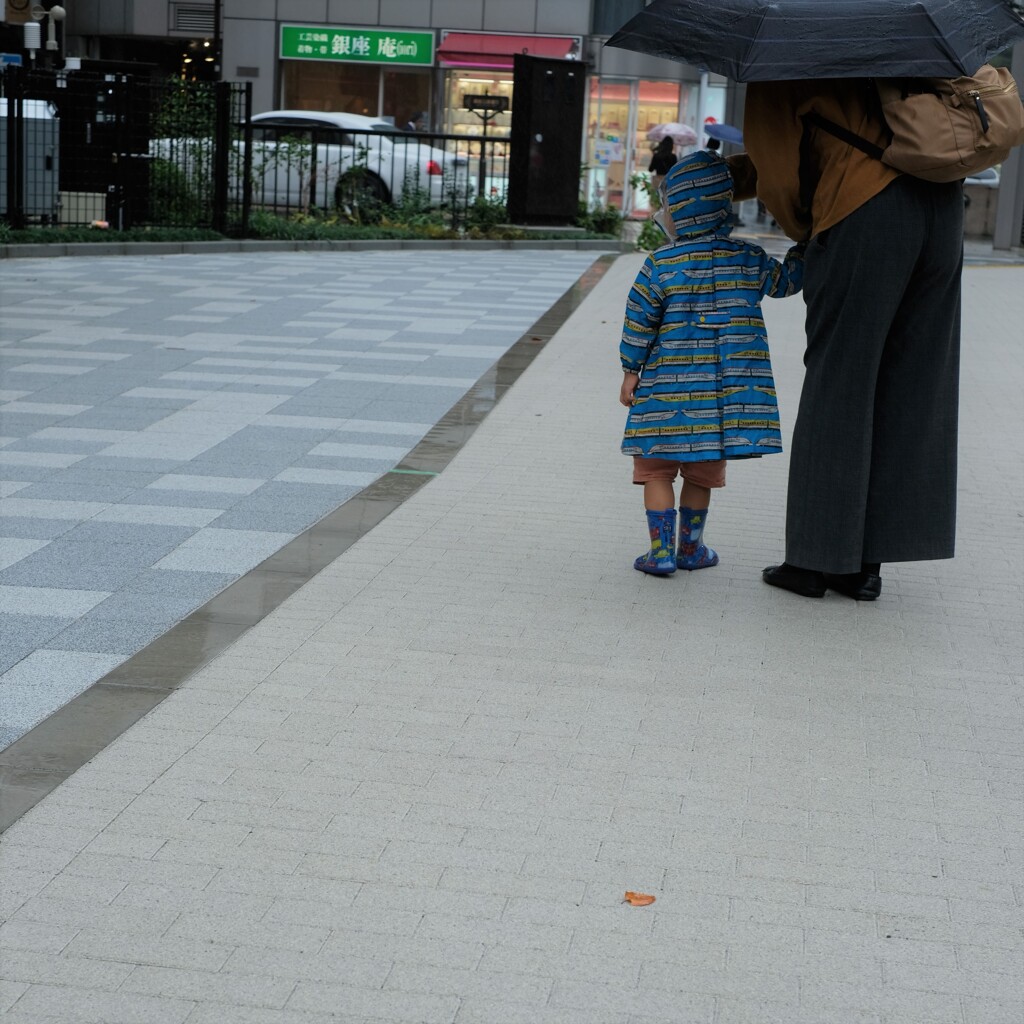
pixel 357 44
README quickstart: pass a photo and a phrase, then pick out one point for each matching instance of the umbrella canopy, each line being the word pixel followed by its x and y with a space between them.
pixel 772 40
pixel 681 134
pixel 724 132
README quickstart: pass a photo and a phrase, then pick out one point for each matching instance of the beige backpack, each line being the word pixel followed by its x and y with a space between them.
pixel 944 129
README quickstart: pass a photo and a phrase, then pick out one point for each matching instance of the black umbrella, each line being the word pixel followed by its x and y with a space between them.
pixel 774 40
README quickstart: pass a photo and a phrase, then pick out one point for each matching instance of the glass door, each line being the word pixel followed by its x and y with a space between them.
pixel 657 103
pixel 608 150
pixel 620 114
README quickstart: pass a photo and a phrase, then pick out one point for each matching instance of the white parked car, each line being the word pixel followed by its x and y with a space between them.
pixel 988 178
pixel 310 157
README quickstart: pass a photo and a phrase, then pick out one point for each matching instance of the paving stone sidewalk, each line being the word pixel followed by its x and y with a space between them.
pixel 169 422
pixel 418 790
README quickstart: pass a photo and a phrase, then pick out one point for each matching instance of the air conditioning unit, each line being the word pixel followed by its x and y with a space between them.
pixel 195 19
pixel 82 207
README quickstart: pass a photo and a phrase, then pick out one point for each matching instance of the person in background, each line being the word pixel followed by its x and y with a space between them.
pixel 697 377
pixel 715 146
pixel 872 473
pixel 661 161
pixel 417 122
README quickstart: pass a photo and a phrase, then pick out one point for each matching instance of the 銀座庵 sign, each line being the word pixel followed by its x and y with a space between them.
pixel 370 45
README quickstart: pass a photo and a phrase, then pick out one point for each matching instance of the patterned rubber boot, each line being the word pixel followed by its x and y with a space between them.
pixel 693 553
pixel 660 560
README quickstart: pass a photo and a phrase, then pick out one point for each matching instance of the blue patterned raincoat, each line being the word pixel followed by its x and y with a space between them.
pixel 694 331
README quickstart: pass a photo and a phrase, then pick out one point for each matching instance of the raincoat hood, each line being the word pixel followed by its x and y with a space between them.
pixel 697 195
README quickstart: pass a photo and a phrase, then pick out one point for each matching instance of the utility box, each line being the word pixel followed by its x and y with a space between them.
pixel 546 139
pixel 35 135
pixel 980 210
pixel 82 207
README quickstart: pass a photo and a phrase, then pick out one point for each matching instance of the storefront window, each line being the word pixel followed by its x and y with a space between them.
pixel 406 93
pixel 607 142
pixel 458 84
pixel 355 89
pixel 657 103
pixel 620 115
pixel 312 85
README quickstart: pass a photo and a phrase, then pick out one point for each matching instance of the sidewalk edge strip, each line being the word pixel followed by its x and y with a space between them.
pixel 36 763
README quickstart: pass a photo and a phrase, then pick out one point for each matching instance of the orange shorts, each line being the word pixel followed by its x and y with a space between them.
pixel 703 474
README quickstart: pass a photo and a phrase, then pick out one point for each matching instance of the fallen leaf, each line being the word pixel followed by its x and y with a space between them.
pixel 638 899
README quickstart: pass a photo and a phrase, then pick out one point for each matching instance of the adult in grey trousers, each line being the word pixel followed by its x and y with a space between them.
pixel 872 474
pixel 873 455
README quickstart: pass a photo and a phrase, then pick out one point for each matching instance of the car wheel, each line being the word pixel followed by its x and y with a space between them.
pixel 361 196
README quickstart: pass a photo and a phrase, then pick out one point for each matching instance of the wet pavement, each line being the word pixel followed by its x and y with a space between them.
pixel 169 423
pixel 417 788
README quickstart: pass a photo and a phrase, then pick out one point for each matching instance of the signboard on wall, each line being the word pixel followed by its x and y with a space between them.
pixel 366 45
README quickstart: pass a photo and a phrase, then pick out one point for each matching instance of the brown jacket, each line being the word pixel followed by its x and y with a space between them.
pixel 842 177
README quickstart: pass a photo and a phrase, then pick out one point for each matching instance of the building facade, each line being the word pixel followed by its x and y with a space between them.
pixel 393 58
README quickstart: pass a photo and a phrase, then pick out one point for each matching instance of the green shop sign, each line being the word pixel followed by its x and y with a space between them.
pixel 372 45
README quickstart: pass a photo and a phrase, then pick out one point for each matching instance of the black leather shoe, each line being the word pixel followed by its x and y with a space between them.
pixel 861 586
pixel 805 582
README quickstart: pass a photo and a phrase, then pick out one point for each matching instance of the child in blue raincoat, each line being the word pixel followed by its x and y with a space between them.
pixel 697 375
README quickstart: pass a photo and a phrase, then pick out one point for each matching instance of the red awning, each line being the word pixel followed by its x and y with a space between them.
pixel 479 50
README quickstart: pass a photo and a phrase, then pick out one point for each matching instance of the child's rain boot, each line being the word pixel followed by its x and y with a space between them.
pixel 660 560
pixel 693 553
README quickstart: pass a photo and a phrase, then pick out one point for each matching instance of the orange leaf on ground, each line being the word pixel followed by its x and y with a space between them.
pixel 638 899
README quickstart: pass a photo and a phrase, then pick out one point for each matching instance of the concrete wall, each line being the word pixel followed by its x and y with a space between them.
pixel 102 17
pixel 540 16
pixel 152 17
pixel 607 60
pixel 252 43
pixel 1009 226
pixel 980 211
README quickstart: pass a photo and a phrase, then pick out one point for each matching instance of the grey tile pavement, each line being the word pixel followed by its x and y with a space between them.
pixel 418 790
pixel 159 424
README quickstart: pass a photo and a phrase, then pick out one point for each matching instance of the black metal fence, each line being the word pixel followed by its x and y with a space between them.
pixel 307 163
pixel 79 148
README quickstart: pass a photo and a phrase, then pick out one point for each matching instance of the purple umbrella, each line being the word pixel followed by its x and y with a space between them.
pixel 681 134
pixel 724 132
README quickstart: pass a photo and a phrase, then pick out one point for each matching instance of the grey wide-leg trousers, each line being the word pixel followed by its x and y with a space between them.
pixel 872 475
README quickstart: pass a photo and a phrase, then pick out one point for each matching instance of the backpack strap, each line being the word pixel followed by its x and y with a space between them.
pixel 850 138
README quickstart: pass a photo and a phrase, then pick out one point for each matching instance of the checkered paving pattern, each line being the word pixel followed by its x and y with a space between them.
pixel 167 423
pixel 416 791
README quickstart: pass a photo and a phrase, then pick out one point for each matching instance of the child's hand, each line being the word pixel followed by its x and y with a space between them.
pixel 628 389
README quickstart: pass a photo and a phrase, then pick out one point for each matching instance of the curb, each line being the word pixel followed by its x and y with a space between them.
pixel 55 748
pixel 53 249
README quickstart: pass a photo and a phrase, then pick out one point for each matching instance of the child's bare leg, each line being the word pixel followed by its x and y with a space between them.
pixel 658 495
pixel 693 496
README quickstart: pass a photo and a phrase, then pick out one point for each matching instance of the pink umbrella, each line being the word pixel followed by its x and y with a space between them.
pixel 681 134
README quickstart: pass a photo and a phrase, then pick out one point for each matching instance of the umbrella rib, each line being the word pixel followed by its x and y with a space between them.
pixel 753 38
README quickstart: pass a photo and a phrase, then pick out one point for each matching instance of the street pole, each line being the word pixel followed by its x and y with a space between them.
pixel 702 107
pixel 1009 227
pixel 218 39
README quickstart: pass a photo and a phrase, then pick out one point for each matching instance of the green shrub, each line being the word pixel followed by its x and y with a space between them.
pixel 650 237
pixel 172 199
pixel 61 235
pixel 603 220
pixel 486 213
